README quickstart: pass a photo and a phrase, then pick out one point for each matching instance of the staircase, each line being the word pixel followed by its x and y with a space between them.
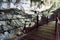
pixel 45 32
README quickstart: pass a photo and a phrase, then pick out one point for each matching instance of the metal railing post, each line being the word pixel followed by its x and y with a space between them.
pixel 56 29
pixel 37 21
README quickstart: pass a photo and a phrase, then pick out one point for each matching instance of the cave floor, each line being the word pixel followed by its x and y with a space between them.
pixel 45 32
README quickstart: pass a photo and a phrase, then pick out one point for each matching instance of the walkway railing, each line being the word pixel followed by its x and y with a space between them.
pixel 57 29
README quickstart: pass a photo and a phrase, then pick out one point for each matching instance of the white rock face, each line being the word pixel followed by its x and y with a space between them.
pixel 6 34
pixel 2 23
pixel 4 0
pixel 4 6
pixel 13 1
pixel 12 5
pixel 2 37
pixel 22 5
pixel 25 5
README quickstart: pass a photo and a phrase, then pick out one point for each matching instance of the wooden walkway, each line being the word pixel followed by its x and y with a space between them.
pixel 45 32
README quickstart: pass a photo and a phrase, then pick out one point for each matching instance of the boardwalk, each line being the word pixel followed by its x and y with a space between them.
pixel 45 32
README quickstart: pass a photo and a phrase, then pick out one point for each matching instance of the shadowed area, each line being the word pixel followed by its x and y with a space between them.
pixel 45 32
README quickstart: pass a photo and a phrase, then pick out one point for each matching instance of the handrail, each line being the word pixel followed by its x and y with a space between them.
pixel 56 29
